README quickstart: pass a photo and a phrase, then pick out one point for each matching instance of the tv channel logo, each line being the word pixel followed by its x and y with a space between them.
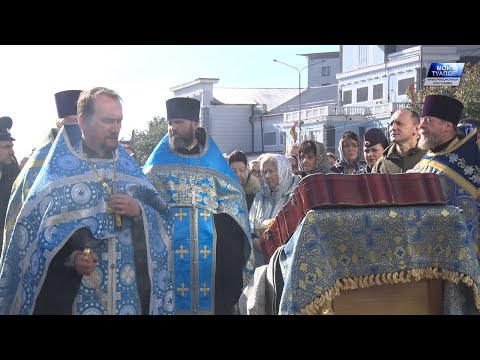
pixel 444 74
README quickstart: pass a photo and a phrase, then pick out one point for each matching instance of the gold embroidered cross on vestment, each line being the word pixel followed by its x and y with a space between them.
pixel 191 183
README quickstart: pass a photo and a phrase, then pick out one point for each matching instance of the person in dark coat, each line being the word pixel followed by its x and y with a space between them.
pixel 9 168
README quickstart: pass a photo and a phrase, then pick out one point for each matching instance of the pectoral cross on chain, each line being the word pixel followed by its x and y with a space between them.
pixel 118 218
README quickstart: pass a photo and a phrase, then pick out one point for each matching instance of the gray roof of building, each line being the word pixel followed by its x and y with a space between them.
pixel 311 97
pixel 253 96
pixel 323 55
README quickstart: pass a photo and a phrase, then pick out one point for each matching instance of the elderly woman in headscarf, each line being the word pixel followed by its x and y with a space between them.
pixel 280 183
pixel 350 154
pixel 313 158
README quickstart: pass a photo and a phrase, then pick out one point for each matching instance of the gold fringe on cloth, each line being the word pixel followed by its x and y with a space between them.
pixel 323 305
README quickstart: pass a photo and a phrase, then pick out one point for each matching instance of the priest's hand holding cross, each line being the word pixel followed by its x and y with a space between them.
pixel 125 205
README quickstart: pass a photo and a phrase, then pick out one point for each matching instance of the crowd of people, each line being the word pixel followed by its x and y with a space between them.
pixel 86 230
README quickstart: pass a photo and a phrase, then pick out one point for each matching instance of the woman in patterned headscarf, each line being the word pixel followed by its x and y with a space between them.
pixel 350 154
pixel 280 183
pixel 313 158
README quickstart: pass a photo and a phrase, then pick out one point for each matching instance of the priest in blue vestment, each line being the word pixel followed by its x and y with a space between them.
pixel 89 237
pixel 66 103
pixel 454 158
pixel 211 235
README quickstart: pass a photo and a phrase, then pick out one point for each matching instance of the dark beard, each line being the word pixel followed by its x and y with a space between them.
pixel 180 142
pixel 6 162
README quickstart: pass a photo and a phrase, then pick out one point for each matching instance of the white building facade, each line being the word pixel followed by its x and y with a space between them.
pixel 356 89
pixel 372 85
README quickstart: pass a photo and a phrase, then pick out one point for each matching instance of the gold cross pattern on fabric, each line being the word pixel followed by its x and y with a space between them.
pixel 205 215
pixel 204 289
pixel 182 251
pixel 182 290
pixel 205 252
pixel 181 214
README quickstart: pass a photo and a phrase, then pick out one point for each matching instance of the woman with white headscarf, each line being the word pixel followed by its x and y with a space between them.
pixel 277 190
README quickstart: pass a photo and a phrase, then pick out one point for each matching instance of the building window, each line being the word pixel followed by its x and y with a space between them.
pixel 282 138
pixel 347 97
pixel 403 85
pixel 270 138
pixel 362 94
pixel 325 70
pixel 331 144
pixel 377 91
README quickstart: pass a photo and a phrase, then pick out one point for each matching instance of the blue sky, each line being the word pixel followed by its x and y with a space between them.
pixel 30 75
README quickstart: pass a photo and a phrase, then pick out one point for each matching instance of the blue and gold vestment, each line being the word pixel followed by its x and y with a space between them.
pixel 197 188
pixel 25 180
pixel 67 195
pixel 458 167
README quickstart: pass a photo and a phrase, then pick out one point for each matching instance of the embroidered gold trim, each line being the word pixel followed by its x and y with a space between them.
pixel 323 305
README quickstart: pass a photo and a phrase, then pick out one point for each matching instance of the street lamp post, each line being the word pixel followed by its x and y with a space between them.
pixel 299 91
pixel 299 95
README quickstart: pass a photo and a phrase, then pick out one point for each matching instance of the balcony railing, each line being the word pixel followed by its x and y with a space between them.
pixel 322 112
